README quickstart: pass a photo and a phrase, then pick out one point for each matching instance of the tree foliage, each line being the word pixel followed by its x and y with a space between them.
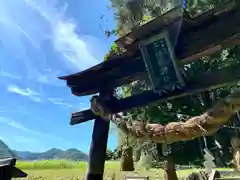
pixel 113 52
pixel 109 154
pixel 132 13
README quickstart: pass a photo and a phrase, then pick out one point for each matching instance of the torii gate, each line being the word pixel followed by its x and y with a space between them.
pixel 204 35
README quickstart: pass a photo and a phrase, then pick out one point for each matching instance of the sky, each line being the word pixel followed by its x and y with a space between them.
pixel 39 41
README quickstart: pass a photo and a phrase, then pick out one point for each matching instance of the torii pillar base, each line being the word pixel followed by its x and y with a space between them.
pixel 98 148
pixel 170 171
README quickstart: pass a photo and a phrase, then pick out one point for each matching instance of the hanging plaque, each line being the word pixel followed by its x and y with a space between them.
pixel 159 57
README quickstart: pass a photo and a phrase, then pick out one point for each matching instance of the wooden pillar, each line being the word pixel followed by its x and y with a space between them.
pixel 5 173
pixel 98 147
pixel 170 171
pixel 9 171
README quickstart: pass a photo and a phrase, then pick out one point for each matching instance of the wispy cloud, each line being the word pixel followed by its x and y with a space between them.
pixel 49 77
pixel 73 49
pixel 27 36
pixel 33 95
pixel 31 131
pixel 60 102
pixel 15 124
pixel 18 126
pixel 9 75
pixel 64 35
pixel 27 24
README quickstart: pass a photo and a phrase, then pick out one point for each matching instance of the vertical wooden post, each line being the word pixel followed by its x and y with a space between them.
pixel 9 171
pixel 98 148
pixel 170 171
pixel 5 173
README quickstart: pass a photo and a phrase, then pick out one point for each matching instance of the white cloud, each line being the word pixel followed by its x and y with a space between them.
pixel 60 102
pixel 9 75
pixel 73 49
pixel 33 95
pixel 14 124
pixel 18 126
pixel 64 36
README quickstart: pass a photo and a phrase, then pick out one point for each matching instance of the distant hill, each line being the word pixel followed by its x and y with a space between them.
pixel 70 154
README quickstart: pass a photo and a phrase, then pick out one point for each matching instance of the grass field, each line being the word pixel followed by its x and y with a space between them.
pixel 68 170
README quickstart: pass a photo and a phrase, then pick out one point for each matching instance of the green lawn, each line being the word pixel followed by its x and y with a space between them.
pixel 68 170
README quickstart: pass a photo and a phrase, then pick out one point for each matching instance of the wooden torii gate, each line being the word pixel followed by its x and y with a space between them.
pixel 203 35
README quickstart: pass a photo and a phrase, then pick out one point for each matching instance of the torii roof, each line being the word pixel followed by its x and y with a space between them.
pixel 200 36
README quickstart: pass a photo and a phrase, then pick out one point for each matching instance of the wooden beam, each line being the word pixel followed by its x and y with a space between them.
pixel 198 84
pixel 196 39
pixel 80 117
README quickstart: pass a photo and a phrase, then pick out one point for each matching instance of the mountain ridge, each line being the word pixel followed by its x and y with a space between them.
pixel 54 153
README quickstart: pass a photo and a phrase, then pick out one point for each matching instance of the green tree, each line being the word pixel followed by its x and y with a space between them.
pixel 109 154
pixel 117 153
pixel 133 13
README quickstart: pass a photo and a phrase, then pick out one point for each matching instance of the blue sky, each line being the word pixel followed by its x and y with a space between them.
pixel 39 41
